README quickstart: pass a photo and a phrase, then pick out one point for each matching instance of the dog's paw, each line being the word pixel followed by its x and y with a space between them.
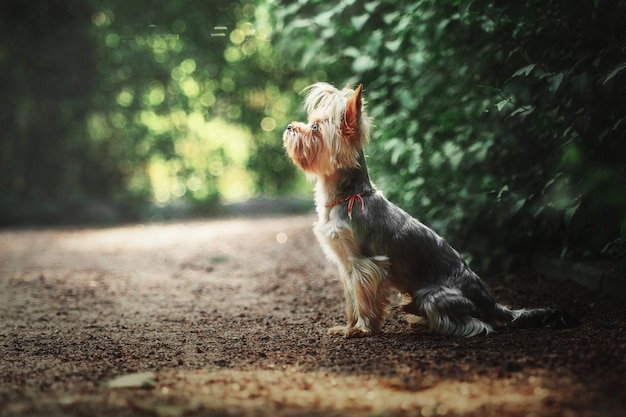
pixel 349 332
pixel 356 332
pixel 340 330
pixel 414 321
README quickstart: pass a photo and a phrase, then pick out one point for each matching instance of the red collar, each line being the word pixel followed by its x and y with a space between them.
pixel 350 200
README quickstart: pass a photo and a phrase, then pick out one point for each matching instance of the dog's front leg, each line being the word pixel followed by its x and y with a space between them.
pixel 348 295
pixel 365 297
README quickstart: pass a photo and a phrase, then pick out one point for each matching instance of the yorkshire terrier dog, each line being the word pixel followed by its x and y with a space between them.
pixel 383 253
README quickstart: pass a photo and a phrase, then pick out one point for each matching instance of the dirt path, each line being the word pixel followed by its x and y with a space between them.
pixel 229 317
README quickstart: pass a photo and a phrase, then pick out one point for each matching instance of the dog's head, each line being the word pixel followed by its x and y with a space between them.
pixel 336 131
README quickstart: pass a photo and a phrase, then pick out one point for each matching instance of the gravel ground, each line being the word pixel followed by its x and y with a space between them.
pixel 229 318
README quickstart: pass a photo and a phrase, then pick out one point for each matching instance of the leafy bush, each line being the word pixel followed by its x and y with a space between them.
pixel 501 124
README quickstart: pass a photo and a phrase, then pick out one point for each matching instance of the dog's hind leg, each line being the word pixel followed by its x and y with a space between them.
pixel 448 311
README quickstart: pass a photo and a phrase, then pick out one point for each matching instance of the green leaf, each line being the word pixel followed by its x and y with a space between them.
pixel 397 148
pixel 393 46
pixel 503 190
pixel 407 99
pixel 464 8
pixel 325 18
pixel 502 104
pixel 359 21
pixel 523 112
pixel 555 82
pixel 524 70
pixel 615 71
pixel 371 6
pixel 352 52
pixel 388 18
pixel 518 205
pixel 363 63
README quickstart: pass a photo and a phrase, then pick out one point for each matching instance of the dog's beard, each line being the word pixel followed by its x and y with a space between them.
pixel 307 149
pixel 321 152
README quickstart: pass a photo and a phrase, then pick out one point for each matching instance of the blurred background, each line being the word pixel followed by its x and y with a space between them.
pixel 501 124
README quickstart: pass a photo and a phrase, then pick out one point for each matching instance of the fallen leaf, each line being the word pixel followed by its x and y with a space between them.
pixel 138 380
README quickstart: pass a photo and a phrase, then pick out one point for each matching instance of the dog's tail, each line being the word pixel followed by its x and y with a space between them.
pixel 550 317
pixel 449 311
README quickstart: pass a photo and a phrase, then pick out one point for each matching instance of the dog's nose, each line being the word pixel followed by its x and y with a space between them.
pixel 289 127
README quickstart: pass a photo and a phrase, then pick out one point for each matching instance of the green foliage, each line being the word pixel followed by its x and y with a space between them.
pixel 499 123
pixel 118 103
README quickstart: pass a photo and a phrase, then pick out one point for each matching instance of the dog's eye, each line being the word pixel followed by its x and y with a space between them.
pixel 314 127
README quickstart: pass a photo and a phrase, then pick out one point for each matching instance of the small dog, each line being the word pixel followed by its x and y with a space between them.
pixel 382 252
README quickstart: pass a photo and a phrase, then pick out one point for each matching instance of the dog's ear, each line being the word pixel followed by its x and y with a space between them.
pixel 352 116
